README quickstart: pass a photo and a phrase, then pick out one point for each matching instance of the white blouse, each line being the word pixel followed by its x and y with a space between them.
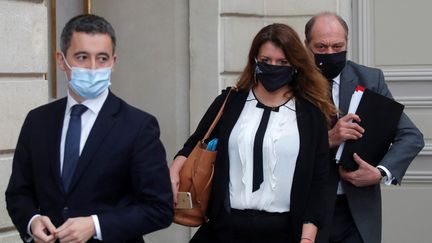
pixel 280 151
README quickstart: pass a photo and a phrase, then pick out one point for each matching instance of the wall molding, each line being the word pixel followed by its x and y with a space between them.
pixel 363 34
pixel 403 74
pixel 415 102
pixel 418 177
pixel 427 150
pixel 7 151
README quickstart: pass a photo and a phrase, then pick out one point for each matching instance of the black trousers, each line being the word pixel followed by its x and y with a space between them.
pixel 343 228
pixel 253 226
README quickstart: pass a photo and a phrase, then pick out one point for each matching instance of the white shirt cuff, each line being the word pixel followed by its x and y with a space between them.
pixel 30 238
pixel 390 178
pixel 98 235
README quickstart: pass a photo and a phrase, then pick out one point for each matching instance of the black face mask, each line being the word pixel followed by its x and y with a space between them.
pixel 331 65
pixel 274 77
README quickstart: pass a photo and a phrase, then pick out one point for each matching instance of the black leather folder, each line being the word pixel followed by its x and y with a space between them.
pixel 379 116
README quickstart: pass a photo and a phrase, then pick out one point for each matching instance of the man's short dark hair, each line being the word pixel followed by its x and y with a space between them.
pixel 309 25
pixel 87 23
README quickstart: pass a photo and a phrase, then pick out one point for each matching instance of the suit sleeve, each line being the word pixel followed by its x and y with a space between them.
pixel 318 204
pixel 408 141
pixel 151 208
pixel 21 201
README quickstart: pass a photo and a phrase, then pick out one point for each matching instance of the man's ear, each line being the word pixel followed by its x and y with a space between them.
pixel 114 62
pixel 60 61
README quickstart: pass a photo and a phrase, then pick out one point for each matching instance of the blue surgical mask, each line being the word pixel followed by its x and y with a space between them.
pixel 89 83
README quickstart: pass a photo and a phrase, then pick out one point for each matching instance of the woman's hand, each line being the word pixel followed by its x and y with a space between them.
pixel 309 232
pixel 175 169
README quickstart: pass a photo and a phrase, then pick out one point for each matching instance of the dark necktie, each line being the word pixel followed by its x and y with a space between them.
pixel 72 144
pixel 258 176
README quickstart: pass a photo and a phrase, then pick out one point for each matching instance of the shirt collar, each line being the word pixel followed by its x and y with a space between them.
pixel 337 79
pixel 94 105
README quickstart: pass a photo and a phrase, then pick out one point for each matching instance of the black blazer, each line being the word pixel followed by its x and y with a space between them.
pixel 309 188
pixel 122 174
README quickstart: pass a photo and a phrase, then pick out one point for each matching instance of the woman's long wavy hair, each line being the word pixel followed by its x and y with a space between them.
pixel 309 83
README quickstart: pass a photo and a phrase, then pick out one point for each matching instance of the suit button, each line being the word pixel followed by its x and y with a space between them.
pixel 65 209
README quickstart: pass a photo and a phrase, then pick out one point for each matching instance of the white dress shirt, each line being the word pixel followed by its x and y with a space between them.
pixel 280 150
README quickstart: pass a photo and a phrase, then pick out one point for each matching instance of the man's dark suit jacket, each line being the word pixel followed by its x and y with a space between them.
pixel 309 186
pixel 122 174
pixel 365 202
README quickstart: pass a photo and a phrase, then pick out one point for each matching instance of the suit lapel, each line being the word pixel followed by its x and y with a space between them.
pixel 54 140
pixel 101 128
pixel 348 83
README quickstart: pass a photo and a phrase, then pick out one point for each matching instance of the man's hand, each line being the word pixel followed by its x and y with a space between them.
pixel 365 175
pixel 344 130
pixel 76 230
pixel 43 230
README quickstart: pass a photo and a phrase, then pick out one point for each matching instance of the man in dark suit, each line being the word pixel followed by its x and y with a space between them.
pixel 355 195
pixel 89 167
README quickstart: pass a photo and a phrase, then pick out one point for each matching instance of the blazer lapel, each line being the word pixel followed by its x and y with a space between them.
pixel 54 140
pixel 233 109
pixel 101 128
pixel 348 83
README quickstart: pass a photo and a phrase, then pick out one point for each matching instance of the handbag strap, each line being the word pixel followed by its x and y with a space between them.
pixel 218 116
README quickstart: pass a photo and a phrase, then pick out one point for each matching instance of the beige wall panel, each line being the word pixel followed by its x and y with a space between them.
pixel 410 88
pixel 204 56
pixel 17 97
pixel 422 117
pixel 10 237
pixel 297 23
pixel 422 163
pixel 237 34
pixel 5 171
pixel 298 7
pixel 24 47
pixel 407 213
pixel 401 35
pixel 276 7
pixel 255 7
pixel 236 38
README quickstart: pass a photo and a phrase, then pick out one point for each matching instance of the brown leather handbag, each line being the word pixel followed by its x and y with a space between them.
pixel 196 177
